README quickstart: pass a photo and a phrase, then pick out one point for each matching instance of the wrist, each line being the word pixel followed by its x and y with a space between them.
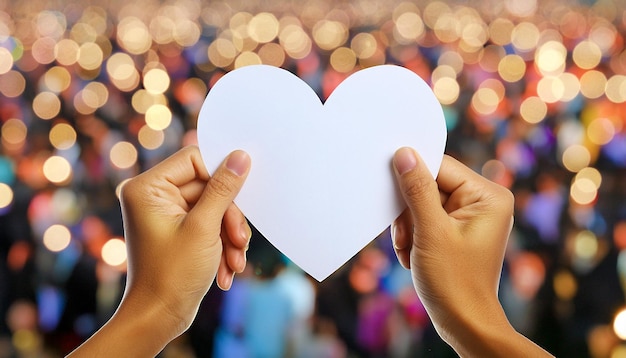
pixel 139 328
pixel 489 334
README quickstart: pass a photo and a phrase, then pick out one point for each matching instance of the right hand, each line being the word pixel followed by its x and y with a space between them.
pixel 453 237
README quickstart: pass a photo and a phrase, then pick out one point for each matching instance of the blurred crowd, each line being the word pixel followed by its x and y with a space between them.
pixel 93 93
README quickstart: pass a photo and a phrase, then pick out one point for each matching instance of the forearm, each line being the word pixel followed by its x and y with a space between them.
pixel 129 333
pixel 481 338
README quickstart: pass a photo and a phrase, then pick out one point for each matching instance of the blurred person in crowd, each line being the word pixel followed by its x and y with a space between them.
pixel 452 237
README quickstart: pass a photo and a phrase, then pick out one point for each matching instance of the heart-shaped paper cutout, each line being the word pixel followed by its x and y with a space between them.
pixel 321 186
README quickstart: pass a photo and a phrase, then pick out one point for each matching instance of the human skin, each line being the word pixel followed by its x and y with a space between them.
pixel 452 237
pixel 182 231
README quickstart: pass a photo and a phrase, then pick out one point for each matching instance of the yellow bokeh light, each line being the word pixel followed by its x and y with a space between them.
pixel 134 35
pixel 156 81
pixel 446 90
pixel 46 105
pixel 592 174
pixel 162 29
pixel 114 252
pixel 57 79
pixel 576 157
pixel 158 117
pixel 272 54
pixel 485 101
pixel 123 155
pixel 95 94
pixel 263 27
pixel 409 27
pixel 57 238
pixel 601 131
pixel 571 86
pixel 150 138
pixel 565 285
pixel 619 324
pixel 62 136
pixel 66 52
pixel 14 131
pixel 474 34
pixel 6 60
pixel 329 35
pixel 550 89
pixel 452 59
pixel 533 109
pixel 90 56
pixel 446 28
pixel 364 45
pixel 122 71
pixel 222 52
pixel 343 59
pixel 142 100
pixel 587 55
pixel 43 50
pixel 525 36
pixel 616 89
pixel 295 41
pixel 592 84
pixel 247 58
pixel 550 58
pixel 6 195
pixel 619 351
pixel 435 10
pixel 586 245
pixel 583 191
pixel 57 170
pixel 12 84
pixel 500 31
pixel 187 32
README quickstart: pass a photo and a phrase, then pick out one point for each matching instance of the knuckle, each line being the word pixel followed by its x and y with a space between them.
pixel 419 186
pixel 221 186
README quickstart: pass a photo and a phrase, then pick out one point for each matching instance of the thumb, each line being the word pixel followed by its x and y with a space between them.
pixel 222 188
pixel 419 189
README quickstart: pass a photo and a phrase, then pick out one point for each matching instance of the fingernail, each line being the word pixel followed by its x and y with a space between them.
pixel 238 162
pixel 404 160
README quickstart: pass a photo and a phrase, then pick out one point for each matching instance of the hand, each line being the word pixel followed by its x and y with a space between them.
pixel 453 237
pixel 181 229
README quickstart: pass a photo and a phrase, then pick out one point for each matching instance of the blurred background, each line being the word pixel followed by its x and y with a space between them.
pixel 94 92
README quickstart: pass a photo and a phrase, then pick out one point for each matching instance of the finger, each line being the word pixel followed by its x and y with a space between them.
pixel 464 187
pixel 234 256
pixel 418 188
pixel 225 274
pixel 221 190
pixel 236 227
pixel 180 168
pixel 191 192
pixel 402 236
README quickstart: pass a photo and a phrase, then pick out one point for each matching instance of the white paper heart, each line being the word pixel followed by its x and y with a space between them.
pixel 321 186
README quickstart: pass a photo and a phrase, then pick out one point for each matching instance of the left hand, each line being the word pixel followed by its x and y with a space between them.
pixel 182 229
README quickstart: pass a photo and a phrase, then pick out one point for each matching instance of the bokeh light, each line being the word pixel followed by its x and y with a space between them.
pixel 14 132
pixel 576 157
pixel 46 105
pixel 123 155
pixel 57 238
pixel 619 324
pixel 114 252
pixel 62 136
pixel 92 94
pixel 158 117
pixel 6 195
pixel 57 169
